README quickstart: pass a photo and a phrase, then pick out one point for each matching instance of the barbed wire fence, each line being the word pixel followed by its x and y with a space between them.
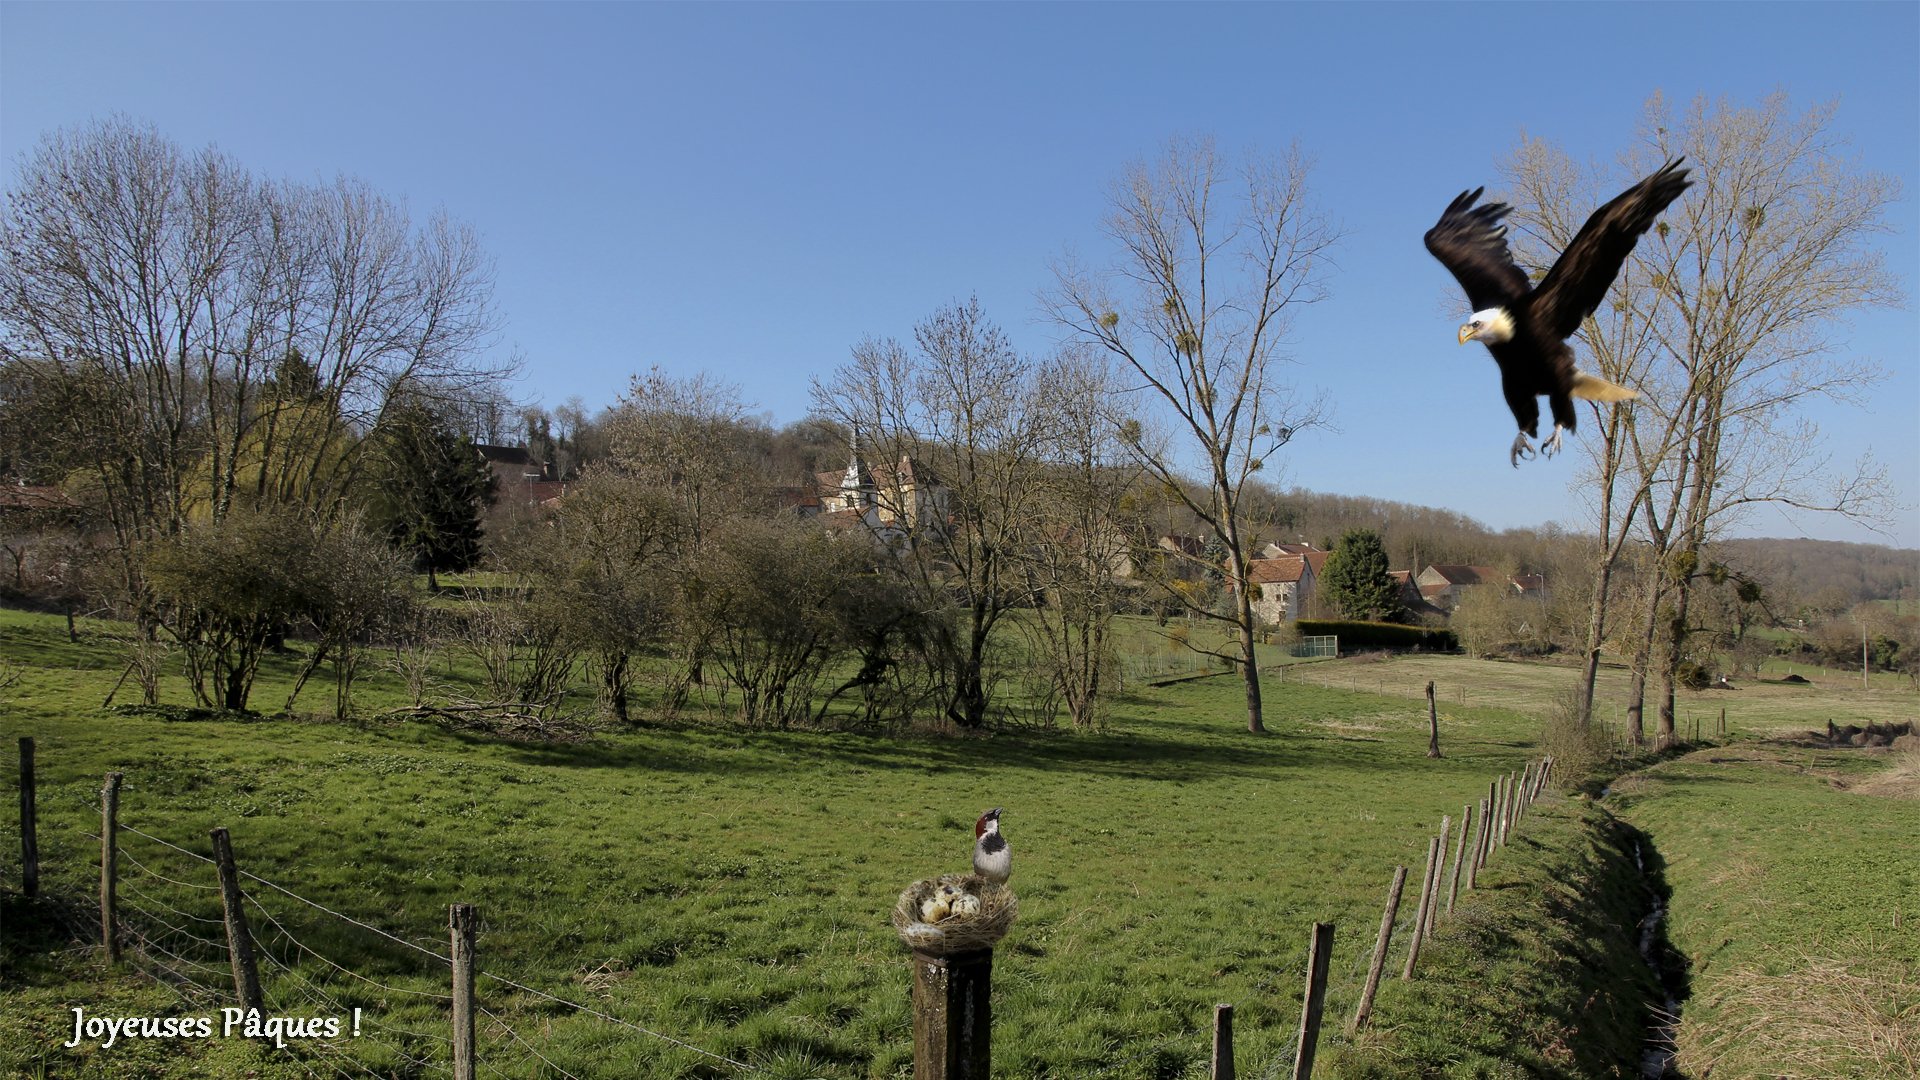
pixel 400 1003
pixel 394 1000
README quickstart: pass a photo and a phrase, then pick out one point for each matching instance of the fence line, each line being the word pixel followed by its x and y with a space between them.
pixel 1515 794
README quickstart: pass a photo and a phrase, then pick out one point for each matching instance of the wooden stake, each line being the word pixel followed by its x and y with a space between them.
pixel 1319 959
pixel 1419 914
pixel 1380 944
pixel 952 1017
pixel 1439 872
pixel 29 818
pixel 109 864
pixel 1479 845
pixel 462 926
pixel 1222 1043
pixel 1460 855
pixel 246 977
pixel 1433 724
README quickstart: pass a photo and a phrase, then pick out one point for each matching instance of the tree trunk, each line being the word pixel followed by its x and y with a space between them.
pixel 1252 670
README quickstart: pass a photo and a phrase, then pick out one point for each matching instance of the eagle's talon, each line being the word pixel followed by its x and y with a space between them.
pixel 1522 450
pixel 1552 445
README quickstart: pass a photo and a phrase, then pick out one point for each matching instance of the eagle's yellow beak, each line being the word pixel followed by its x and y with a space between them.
pixel 1466 334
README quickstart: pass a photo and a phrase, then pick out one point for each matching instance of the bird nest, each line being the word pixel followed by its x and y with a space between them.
pixel 969 931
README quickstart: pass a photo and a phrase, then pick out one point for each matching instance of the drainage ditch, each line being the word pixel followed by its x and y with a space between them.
pixel 1663 1022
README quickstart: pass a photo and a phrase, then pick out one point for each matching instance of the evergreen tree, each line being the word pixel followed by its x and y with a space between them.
pixel 431 488
pixel 1356 580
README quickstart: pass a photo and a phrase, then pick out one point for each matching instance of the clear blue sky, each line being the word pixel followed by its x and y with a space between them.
pixel 752 189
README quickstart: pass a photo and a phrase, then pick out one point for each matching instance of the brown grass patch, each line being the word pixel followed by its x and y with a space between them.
pixel 1900 780
pixel 1824 1018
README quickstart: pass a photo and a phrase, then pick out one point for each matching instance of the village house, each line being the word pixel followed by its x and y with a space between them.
pixel 519 482
pixel 1442 584
pixel 888 501
pixel 1285 586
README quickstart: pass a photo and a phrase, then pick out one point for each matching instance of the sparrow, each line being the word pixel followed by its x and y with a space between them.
pixel 992 859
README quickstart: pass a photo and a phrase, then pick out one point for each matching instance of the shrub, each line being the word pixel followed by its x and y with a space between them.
pixel 1356 635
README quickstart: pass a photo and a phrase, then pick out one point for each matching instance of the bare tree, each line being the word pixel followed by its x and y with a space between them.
pixel 199 339
pixel 1198 302
pixel 1081 550
pixel 1727 319
pixel 957 432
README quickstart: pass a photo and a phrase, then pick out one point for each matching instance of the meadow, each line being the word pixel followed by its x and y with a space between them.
pixel 727 890
pixel 1796 902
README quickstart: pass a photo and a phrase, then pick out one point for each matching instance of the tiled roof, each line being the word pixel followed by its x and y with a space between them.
pixel 1276 571
pixel 1461 574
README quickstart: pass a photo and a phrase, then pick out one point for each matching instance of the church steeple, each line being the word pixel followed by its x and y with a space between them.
pixel 856 487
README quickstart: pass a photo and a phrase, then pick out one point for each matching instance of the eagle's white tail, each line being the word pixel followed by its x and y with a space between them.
pixel 1595 388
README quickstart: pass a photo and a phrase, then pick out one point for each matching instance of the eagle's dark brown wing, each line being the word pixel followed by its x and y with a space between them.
pixel 1585 271
pixel 1472 243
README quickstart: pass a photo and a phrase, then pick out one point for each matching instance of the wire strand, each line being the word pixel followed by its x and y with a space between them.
pixel 508 1028
pixel 617 1020
pixel 303 947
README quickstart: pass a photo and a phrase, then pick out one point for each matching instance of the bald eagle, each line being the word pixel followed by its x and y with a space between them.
pixel 1526 328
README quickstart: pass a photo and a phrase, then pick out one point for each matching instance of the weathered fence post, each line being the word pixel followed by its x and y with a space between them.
pixel 1433 724
pixel 1460 855
pixel 109 860
pixel 1380 943
pixel 462 926
pixel 1508 788
pixel 952 1016
pixel 1493 811
pixel 246 977
pixel 1439 871
pixel 1319 959
pixel 1723 721
pixel 1479 842
pixel 1420 913
pixel 1222 1043
pixel 29 839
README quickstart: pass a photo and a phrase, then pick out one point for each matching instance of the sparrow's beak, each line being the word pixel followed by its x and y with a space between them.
pixel 1466 334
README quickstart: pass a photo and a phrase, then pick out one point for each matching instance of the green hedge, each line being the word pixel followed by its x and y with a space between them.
pixel 1355 635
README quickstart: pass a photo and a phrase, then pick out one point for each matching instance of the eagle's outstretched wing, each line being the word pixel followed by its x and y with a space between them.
pixel 1585 271
pixel 1472 243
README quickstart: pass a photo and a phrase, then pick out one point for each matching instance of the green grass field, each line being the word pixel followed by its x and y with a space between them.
pixel 730 888
pixel 1765 706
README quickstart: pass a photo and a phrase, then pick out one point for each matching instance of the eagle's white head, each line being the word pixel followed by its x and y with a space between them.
pixel 1491 325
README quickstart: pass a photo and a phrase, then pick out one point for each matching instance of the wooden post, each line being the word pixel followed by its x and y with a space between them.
pixel 1420 913
pixel 1439 871
pixel 1479 844
pixel 1380 948
pixel 1319 959
pixel 29 838
pixel 462 925
pixel 109 860
pixel 952 1016
pixel 1500 811
pixel 1493 809
pixel 1222 1043
pixel 1723 721
pixel 1460 855
pixel 246 977
pixel 1509 787
pixel 1433 724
